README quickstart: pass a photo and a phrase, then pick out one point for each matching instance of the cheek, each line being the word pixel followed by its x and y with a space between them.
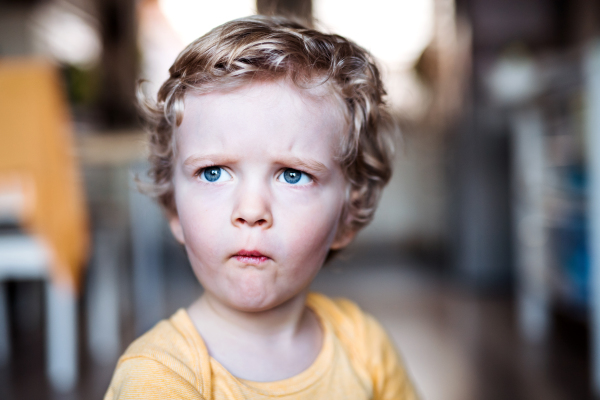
pixel 198 205
pixel 310 227
pixel 201 217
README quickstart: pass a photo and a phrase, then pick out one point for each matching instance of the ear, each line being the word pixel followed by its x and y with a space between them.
pixel 176 228
pixel 343 239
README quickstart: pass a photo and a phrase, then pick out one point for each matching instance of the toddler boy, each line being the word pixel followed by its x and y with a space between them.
pixel 267 154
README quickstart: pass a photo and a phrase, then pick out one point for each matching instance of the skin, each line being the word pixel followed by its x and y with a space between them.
pixel 252 315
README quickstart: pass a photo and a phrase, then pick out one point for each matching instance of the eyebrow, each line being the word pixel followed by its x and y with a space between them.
pixel 291 161
pixel 303 163
pixel 217 159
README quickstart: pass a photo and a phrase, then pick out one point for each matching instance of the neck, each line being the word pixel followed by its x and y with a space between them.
pixel 285 320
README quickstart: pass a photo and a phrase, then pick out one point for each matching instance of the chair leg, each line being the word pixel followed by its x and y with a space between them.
pixel 103 318
pixel 4 327
pixel 61 340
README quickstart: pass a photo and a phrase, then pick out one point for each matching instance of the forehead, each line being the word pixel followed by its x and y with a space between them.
pixel 274 115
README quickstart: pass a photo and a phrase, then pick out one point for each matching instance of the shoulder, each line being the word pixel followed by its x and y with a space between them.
pixel 346 318
pixel 167 340
pixel 367 344
pixel 169 356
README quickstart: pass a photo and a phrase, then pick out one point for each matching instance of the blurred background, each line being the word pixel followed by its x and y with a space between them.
pixel 483 260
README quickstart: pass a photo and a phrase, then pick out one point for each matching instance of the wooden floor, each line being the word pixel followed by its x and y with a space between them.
pixel 456 346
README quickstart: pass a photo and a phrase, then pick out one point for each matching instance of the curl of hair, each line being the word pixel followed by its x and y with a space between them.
pixel 268 48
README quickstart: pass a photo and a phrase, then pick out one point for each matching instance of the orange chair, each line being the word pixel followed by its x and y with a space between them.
pixel 40 192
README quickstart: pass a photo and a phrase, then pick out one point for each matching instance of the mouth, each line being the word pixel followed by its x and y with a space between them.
pixel 251 257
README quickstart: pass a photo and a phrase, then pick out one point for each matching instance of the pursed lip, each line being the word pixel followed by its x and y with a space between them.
pixel 251 257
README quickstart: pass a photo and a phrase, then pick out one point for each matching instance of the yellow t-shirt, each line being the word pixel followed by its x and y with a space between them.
pixel 357 361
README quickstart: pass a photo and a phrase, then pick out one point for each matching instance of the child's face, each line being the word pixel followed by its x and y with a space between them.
pixel 258 191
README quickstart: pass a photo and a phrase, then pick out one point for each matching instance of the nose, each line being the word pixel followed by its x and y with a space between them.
pixel 252 208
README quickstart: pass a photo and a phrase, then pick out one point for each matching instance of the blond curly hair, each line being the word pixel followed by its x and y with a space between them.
pixel 269 48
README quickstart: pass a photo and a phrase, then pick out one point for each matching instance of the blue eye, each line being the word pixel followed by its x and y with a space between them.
pixel 214 174
pixel 294 177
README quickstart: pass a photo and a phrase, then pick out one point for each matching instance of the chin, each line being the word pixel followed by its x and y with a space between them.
pixel 253 296
pixel 251 292
pixel 251 302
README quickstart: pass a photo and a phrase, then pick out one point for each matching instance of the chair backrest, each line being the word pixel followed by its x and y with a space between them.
pixel 37 149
